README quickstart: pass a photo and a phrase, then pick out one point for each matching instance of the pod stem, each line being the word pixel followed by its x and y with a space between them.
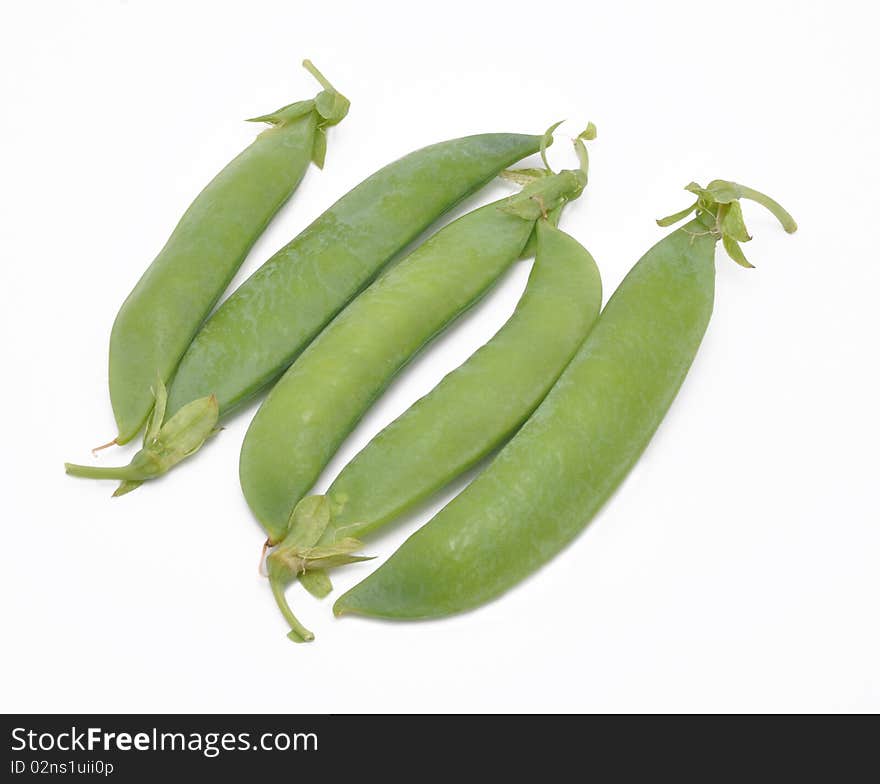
pixel 165 444
pixel 546 141
pixel 98 472
pixel 588 134
pixel 321 79
pixel 777 210
pixel 331 105
pixel 298 632
pixel 718 208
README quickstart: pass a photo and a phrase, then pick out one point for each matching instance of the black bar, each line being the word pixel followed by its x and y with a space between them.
pixel 125 748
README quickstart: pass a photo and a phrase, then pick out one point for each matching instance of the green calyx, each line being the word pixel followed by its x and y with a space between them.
pixel 298 560
pixel 718 208
pixel 165 443
pixel 299 553
pixel 544 190
pixel 329 105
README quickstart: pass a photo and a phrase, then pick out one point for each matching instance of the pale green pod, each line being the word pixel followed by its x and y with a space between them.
pixel 549 481
pixel 477 407
pixel 328 389
pixel 159 318
pixel 260 329
pixel 265 323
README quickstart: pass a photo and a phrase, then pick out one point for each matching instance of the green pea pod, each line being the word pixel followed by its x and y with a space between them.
pixel 547 483
pixel 477 407
pixel 328 389
pixel 261 328
pixel 159 318
pixel 265 324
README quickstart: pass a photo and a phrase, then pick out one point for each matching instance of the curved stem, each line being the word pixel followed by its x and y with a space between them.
pixel 322 80
pixel 779 212
pixel 295 626
pixel 99 472
pixel 261 567
pixel 588 134
pixel 95 449
pixel 546 141
pixel 583 157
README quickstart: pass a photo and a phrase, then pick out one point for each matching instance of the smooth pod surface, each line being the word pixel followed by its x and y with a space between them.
pixel 163 312
pixel 262 327
pixel 551 478
pixel 327 390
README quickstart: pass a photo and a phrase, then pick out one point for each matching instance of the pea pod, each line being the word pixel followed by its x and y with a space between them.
pixel 261 328
pixel 163 312
pixel 265 324
pixel 474 409
pixel 326 391
pixel 320 399
pixel 551 478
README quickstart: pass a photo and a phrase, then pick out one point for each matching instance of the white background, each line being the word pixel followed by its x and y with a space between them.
pixel 737 567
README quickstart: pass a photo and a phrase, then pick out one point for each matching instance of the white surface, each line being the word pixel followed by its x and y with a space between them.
pixel 735 570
